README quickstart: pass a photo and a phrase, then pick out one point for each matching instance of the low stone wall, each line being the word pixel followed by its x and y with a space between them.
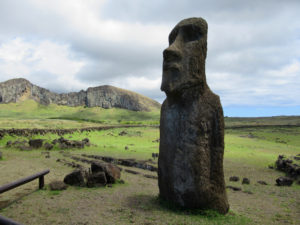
pixel 60 132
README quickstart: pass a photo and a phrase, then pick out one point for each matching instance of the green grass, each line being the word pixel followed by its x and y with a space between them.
pixel 31 110
pixel 248 152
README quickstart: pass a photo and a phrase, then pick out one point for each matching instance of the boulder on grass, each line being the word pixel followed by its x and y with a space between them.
pixel 96 179
pixel 284 181
pixel 75 178
pixel 57 185
pixel 97 167
pixel 0 155
pixel 36 143
pixel 112 172
pixel 234 178
pixel 48 146
pixel 246 180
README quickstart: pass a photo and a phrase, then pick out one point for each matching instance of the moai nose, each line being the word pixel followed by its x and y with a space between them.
pixel 172 54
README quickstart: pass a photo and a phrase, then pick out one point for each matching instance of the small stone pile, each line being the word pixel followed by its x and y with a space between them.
pixel 291 167
pixel 100 174
pixel 66 144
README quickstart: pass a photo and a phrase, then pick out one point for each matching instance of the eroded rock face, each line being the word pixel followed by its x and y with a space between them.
pixel 106 96
pixel 190 165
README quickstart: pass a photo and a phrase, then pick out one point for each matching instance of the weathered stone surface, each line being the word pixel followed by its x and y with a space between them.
pixel 262 182
pixel 234 188
pixel 75 178
pixel 291 168
pixel 16 90
pixel 48 146
pixel 246 180
pixel 57 185
pixel 284 181
pixel 35 143
pixel 97 167
pixel 111 171
pixel 96 179
pixel 190 161
pixel 234 178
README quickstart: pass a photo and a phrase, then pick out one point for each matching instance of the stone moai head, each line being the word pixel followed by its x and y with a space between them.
pixel 184 59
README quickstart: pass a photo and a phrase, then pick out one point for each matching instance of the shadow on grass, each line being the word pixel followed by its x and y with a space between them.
pixel 151 203
pixel 19 196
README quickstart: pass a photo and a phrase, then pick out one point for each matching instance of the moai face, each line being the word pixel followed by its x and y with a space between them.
pixel 184 59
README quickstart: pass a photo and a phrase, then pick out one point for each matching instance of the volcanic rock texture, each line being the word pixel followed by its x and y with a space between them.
pixel 191 150
pixel 106 96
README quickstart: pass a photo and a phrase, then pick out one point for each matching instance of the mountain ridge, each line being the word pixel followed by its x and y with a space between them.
pixel 106 96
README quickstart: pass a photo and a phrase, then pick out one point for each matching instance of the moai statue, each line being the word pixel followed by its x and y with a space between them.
pixel 190 164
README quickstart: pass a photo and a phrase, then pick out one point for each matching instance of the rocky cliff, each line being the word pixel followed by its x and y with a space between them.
pixel 106 96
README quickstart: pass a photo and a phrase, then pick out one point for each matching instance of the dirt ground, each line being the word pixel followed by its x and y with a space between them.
pixel 135 202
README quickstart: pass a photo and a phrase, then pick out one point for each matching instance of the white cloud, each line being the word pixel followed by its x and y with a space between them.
pixel 253 47
pixel 35 60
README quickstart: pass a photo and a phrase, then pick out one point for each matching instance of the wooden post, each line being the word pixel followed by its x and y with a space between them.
pixel 6 221
pixel 22 181
pixel 41 182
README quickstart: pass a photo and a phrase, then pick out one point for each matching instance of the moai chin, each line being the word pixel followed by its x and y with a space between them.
pixel 190 164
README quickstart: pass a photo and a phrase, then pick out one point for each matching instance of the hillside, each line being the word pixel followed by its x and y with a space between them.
pixel 18 90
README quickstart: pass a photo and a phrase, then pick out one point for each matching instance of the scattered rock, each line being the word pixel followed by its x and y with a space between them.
pixel 284 181
pixel 97 167
pixel 262 182
pixel 234 188
pixel 245 181
pixel 112 172
pixel 96 179
pixel 234 178
pixel 131 171
pixel 48 146
pixel 150 176
pixel 35 143
pixel 122 133
pixel 57 185
pixel 75 178
pixel 121 181
pixel 86 141
pixel 8 144
pixel 287 165
pixel 25 148
pixel 126 148
pixel 154 155
pixel 0 155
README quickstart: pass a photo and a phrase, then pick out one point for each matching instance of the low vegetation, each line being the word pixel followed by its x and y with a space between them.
pixel 249 151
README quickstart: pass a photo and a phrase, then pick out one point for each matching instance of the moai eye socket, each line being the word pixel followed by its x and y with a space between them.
pixel 172 36
pixel 191 33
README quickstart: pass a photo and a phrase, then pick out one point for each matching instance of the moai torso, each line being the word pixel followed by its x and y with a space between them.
pixel 192 125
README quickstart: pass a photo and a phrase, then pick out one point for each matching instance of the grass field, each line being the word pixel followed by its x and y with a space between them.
pixel 35 114
pixel 248 152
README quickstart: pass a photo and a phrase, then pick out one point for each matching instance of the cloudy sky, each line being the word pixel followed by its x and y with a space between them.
pixel 253 59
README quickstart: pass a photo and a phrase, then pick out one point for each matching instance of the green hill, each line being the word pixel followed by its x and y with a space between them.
pixel 34 114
